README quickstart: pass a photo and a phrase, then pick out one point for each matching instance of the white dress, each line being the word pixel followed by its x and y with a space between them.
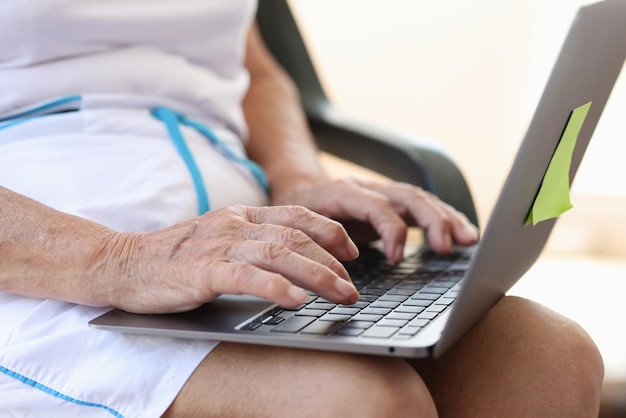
pixel 113 162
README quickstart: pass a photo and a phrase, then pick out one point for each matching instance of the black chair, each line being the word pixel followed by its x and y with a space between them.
pixel 399 157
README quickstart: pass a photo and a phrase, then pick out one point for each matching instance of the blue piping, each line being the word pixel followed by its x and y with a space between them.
pixel 171 119
pixel 55 106
pixel 55 393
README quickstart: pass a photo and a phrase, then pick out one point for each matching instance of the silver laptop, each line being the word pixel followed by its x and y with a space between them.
pixel 421 306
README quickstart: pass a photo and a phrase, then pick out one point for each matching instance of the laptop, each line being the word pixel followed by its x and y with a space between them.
pixel 421 306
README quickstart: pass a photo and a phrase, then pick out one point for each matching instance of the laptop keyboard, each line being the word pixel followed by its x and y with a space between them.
pixel 397 300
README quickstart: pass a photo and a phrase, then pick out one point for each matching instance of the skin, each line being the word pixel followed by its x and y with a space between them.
pixel 518 358
pixel 270 252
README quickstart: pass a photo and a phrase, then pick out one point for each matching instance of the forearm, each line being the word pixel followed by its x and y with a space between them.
pixel 279 140
pixel 48 254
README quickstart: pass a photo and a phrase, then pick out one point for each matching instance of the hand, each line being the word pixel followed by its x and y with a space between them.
pixel 269 252
pixel 371 210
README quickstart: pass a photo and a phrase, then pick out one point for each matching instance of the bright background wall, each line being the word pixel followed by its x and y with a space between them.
pixel 469 73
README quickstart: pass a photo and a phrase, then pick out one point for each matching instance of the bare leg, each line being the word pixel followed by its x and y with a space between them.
pixel 522 359
pixel 245 381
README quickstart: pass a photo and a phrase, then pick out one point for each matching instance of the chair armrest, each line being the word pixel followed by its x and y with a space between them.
pixel 396 155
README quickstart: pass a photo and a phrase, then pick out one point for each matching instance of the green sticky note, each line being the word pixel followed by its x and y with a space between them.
pixel 553 197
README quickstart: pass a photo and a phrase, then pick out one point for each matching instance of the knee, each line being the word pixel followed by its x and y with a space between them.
pixel 377 387
pixel 556 347
pixel 552 335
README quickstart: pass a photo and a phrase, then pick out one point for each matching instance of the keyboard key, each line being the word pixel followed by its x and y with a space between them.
pixel 412 286
pixel 418 302
pixel 310 312
pixel 402 292
pixel 425 296
pixel 321 327
pixel 409 309
pixel 436 308
pixel 334 317
pixel 434 289
pixel 401 315
pixel 444 283
pixel 418 322
pixel 274 311
pixel 393 298
pixel 409 331
pixel 261 319
pixel 380 332
pixel 386 322
pixel 369 318
pixel 293 324
pixel 444 301
pixel 344 311
pixel 349 332
pixel 372 292
pixel 251 326
pixel 427 315
pixel 297 308
pixel 358 305
pixel 375 311
pixel 275 320
pixel 358 324
pixel 384 304
pixel 321 305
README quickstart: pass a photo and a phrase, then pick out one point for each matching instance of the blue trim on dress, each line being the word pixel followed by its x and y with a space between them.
pixel 172 120
pixel 254 168
pixel 59 105
pixel 55 393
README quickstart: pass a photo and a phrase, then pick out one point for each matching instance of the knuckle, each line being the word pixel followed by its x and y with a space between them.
pixel 273 253
pixel 336 232
pixel 298 212
pixel 240 271
pixel 294 237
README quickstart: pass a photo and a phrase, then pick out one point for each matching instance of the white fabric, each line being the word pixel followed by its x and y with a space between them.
pixel 115 164
pixel 188 51
pixel 119 167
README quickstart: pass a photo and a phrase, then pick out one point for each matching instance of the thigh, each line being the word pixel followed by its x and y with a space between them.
pixel 521 358
pixel 247 380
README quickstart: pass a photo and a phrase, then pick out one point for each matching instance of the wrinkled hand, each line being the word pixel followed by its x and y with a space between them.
pixel 372 210
pixel 270 252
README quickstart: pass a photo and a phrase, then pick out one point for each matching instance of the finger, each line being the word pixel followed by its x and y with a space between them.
pixel 367 205
pixel 442 222
pixel 297 241
pixel 238 278
pixel 329 234
pixel 297 269
pixel 463 231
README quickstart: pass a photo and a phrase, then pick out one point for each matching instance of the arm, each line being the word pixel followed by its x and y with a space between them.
pixel 47 254
pixel 279 137
pixel 282 143
pixel 267 252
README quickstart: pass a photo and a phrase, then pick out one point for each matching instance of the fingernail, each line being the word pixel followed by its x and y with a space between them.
pixel 353 250
pixel 447 242
pixel 471 232
pixel 346 289
pixel 398 253
pixel 298 294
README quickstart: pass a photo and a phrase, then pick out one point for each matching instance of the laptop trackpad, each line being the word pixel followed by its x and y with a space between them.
pixel 224 313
